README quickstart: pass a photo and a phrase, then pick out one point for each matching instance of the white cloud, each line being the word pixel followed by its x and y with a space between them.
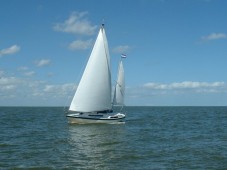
pixel 1 73
pixel 76 24
pixel 184 85
pixel 11 50
pixel 26 71
pixel 50 74
pixel 214 36
pixel 42 62
pixel 8 87
pixel 29 73
pixel 22 68
pixel 59 89
pixel 187 93
pixel 26 91
pixel 80 45
pixel 8 81
pixel 121 49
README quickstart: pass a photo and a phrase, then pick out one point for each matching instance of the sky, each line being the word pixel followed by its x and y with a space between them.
pixel 176 50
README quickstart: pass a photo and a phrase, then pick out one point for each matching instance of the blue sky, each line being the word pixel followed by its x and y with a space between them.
pixel 176 50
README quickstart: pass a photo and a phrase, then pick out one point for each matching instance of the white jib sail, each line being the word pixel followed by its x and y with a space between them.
pixel 94 90
pixel 120 86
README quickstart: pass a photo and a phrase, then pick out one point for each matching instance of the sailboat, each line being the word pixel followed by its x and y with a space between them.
pixel 119 91
pixel 92 102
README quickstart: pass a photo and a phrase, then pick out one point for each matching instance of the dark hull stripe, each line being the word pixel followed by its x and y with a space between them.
pixel 95 118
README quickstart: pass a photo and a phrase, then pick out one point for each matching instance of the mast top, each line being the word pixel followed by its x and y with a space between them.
pixel 102 25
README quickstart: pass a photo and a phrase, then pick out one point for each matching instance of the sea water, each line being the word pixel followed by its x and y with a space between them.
pixel 150 138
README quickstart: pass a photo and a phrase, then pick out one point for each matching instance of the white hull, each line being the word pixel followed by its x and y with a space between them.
pixel 87 118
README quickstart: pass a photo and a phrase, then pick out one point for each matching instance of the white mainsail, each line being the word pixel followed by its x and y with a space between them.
pixel 119 92
pixel 94 90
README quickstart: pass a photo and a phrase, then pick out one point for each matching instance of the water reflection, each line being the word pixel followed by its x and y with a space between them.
pixel 96 146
